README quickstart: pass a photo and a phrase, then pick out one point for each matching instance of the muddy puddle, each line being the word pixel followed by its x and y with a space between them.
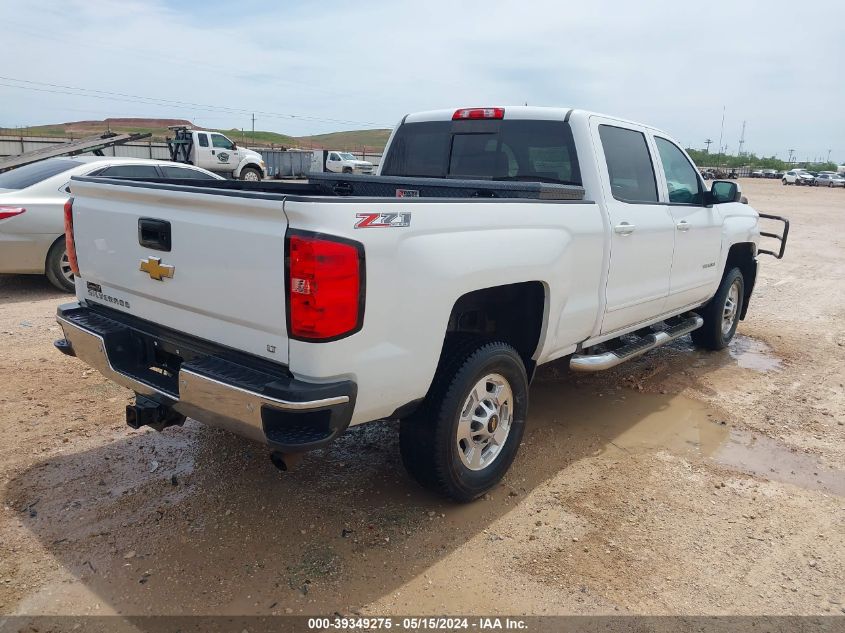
pixel 750 353
pixel 635 422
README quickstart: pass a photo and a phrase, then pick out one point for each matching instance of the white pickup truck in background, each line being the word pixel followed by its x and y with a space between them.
pixel 215 152
pixel 336 162
pixel 493 240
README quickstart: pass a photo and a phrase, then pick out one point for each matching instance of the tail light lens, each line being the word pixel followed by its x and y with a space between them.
pixel 326 287
pixel 69 243
pixel 10 212
pixel 478 113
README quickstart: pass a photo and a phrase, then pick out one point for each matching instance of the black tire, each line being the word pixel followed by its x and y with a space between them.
pixel 347 170
pixel 428 439
pixel 713 335
pixel 55 266
pixel 784 182
pixel 250 173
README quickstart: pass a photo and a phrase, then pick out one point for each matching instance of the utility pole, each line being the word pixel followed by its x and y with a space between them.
pixel 707 142
pixel 789 160
pixel 828 155
pixel 741 140
pixel 253 127
pixel 722 130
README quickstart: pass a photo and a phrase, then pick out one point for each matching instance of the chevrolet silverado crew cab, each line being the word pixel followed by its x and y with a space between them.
pixel 492 240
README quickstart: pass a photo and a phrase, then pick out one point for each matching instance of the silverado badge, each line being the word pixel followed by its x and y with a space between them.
pixel 155 269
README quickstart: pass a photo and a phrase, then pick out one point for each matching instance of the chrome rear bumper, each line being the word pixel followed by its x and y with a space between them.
pixel 283 412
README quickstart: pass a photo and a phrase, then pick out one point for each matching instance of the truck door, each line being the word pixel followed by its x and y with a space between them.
pixel 698 229
pixel 202 151
pixel 224 155
pixel 641 228
pixel 334 163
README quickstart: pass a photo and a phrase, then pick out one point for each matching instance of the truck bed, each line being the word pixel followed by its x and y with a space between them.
pixel 345 185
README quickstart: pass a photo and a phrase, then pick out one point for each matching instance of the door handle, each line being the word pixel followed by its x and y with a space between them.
pixel 213 153
pixel 624 228
pixel 683 225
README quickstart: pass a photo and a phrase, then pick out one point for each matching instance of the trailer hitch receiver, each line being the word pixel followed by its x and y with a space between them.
pixel 149 412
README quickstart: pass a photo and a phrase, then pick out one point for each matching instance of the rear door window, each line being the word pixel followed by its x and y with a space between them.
pixel 499 150
pixel 629 165
pixel 28 175
pixel 129 171
pixel 203 139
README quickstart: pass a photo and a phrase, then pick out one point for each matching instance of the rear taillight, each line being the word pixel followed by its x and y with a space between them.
pixel 325 287
pixel 70 245
pixel 479 113
pixel 10 212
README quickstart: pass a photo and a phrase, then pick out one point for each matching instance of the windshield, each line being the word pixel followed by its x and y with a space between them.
pixel 541 151
pixel 28 175
pixel 347 156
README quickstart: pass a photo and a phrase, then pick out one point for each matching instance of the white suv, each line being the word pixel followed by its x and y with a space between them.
pixel 798 177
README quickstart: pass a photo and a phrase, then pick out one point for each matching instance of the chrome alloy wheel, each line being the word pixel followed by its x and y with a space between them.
pixel 729 312
pixel 251 176
pixel 485 422
pixel 64 266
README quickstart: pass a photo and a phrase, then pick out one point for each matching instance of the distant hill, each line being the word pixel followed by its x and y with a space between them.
pixel 353 139
pixel 370 140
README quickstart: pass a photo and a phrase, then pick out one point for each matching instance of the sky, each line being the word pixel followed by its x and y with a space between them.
pixel 309 68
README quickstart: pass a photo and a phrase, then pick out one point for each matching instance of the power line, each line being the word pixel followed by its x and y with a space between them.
pixel 119 96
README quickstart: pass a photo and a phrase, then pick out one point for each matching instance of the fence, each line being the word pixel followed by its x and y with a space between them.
pixel 741 172
pixel 280 164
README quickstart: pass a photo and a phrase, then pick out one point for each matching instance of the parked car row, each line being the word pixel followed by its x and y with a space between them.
pixel 32 199
pixel 766 173
pixel 813 179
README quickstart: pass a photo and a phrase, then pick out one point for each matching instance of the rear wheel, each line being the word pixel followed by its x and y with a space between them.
pixel 466 434
pixel 57 267
pixel 721 314
pixel 784 181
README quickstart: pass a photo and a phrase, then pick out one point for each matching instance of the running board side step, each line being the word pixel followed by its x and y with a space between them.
pixel 606 360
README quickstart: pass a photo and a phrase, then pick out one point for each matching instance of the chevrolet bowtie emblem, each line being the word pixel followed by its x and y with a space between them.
pixel 154 268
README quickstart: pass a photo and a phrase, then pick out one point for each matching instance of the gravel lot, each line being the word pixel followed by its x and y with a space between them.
pixel 684 482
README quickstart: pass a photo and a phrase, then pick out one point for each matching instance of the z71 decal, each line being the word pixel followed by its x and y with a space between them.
pixel 382 220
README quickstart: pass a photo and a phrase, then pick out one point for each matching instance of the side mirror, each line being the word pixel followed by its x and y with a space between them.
pixel 722 191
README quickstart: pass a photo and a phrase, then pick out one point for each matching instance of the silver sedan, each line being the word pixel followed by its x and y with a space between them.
pixel 830 180
pixel 32 201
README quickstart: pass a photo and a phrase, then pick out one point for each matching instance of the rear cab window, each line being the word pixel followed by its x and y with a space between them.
pixel 505 149
pixel 28 175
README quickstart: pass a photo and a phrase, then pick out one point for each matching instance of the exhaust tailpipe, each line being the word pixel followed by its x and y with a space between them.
pixel 285 461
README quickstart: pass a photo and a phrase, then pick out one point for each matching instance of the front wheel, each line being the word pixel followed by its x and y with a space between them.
pixel 784 181
pixel 250 174
pixel 467 432
pixel 721 314
pixel 57 267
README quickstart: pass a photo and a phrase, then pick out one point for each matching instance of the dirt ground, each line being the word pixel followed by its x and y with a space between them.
pixel 682 483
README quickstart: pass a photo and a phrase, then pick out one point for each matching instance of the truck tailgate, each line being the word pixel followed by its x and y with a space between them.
pixel 226 253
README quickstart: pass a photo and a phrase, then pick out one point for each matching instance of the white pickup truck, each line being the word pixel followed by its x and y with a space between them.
pixel 492 241
pixel 339 163
pixel 215 152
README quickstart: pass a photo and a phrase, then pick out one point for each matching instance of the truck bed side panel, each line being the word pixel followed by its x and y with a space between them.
pixel 416 273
